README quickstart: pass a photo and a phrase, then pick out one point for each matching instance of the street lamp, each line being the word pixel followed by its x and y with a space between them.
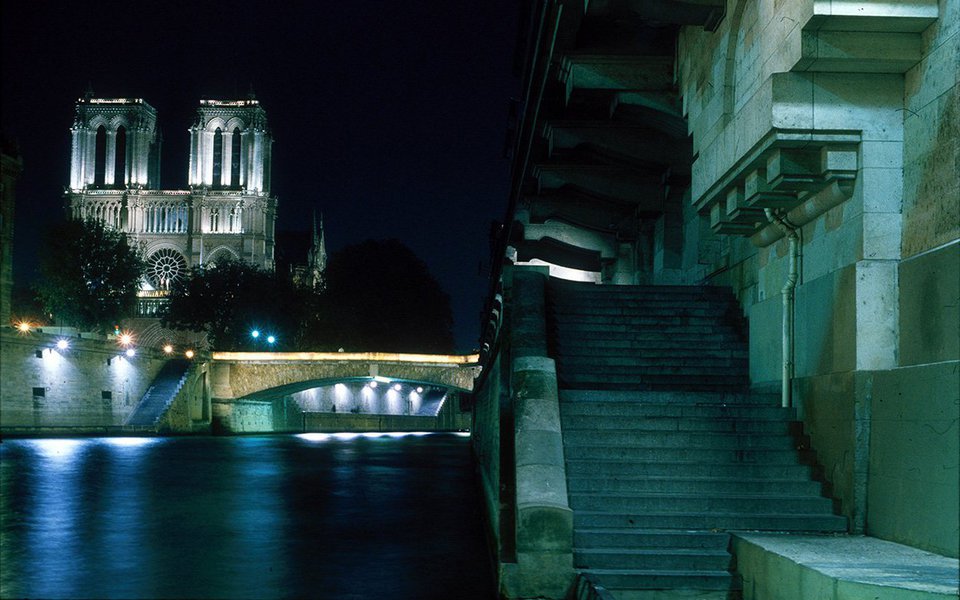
pixel 271 340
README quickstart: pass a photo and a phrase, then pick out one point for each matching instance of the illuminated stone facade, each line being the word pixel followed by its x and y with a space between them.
pixel 228 210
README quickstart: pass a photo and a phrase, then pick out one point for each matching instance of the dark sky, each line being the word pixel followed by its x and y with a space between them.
pixel 389 117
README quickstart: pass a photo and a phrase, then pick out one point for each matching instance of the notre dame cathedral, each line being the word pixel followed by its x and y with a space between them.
pixel 227 212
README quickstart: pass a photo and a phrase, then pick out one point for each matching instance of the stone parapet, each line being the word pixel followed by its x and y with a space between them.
pixel 544 520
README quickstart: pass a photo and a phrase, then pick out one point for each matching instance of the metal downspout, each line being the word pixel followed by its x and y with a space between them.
pixel 787 292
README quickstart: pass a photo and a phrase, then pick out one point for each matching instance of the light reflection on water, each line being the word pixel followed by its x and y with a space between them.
pixel 370 516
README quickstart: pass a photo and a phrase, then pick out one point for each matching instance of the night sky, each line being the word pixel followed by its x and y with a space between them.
pixel 389 117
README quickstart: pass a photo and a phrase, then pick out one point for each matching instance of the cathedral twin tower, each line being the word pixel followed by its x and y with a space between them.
pixel 228 212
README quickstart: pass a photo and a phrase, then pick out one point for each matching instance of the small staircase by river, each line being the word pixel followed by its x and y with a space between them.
pixel 160 394
pixel 666 449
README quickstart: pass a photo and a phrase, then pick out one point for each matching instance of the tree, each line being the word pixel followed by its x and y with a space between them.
pixel 231 299
pixel 89 274
pixel 380 296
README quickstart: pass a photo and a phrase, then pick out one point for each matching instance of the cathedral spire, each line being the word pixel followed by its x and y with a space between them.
pixel 317 255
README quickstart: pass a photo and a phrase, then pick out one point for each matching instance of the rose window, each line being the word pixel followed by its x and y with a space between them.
pixel 164 267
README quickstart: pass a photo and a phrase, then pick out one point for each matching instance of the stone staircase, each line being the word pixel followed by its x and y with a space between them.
pixel 647 337
pixel 160 394
pixel 666 450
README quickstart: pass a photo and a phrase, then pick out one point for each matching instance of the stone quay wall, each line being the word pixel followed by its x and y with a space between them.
pixel 88 386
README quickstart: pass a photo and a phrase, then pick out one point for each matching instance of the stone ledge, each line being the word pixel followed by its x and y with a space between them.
pixel 782 171
pixel 778 566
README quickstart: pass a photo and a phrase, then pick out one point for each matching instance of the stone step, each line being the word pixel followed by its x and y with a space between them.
pixel 695 455
pixel 678 408
pixel 590 398
pixel 645 318
pixel 648 342
pixel 693 559
pixel 642 360
pixel 596 467
pixel 689 581
pixel 647 336
pixel 689 502
pixel 629 438
pixel 628 368
pixel 664 385
pixel 577 329
pixel 668 310
pixel 715 521
pixel 678 293
pixel 599 423
pixel 650 348
pixel 680 379
pixel 572 288
pixel 600 537
pixel 638 484
pixel 647 294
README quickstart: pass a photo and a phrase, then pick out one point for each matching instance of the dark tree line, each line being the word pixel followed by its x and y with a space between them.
pixel 378 296
pixel 381 296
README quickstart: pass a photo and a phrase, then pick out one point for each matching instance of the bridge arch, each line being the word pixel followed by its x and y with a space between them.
pixel 252 375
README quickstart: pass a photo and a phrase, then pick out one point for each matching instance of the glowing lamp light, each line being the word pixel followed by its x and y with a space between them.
pixel 24 327
pixel 167 349
pixel 125 339
pixel 373 384
pixel 62 344
pixel 130 352
pixel 255 333
pixel 271 339
pixel 397 387
pixel 189 353
pixel 419 390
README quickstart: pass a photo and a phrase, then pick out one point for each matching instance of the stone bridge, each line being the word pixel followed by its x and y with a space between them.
pixel 252 375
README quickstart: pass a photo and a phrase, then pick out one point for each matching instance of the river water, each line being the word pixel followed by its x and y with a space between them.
pixel 285 516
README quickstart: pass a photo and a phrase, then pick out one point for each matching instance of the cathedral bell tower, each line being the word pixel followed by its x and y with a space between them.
pixel 115 144
pixel 230 146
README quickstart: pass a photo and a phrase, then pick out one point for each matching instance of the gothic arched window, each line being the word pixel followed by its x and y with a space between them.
pixel 236 219
pixel 100 157
pixel 217 157
pixel 235 158
pixel 120 158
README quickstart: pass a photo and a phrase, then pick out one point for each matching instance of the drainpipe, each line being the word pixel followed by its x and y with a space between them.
pixel 790 231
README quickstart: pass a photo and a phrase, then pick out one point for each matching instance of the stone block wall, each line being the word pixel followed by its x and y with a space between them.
pixel 877 347
pixel 485 441
pixel 88 385
pixel 914 460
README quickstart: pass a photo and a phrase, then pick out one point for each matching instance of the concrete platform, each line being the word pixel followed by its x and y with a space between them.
pixel 814 567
